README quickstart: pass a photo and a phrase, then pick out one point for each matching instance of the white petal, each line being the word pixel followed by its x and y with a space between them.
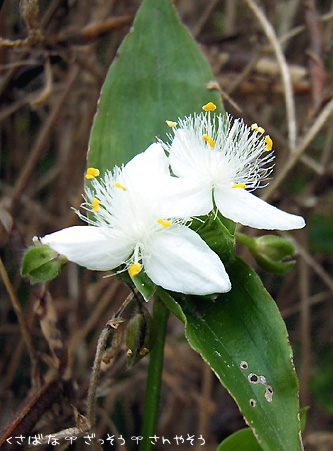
pixel 179 260
pixel 89 246
pixel 181 197
pixel 242 206
pixel 151 162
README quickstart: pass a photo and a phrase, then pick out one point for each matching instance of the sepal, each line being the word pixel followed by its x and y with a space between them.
pixel 217 236
pixel 144 285
pixel 41 263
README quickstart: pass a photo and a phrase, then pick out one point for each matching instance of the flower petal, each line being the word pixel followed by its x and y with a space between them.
pixel 88 246
pixel 153 162
pixel 179 260
pixel 244 207
pixel 182 198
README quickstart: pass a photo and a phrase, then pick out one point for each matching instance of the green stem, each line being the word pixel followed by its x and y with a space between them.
pixel 245 239
pixel 152 398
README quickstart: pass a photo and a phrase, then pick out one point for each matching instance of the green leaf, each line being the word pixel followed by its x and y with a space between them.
pixel 245 440
pixel 159 74
pixel 242 336
pixel 240 441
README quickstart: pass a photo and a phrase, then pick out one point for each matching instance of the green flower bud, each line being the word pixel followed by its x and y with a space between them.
pixel 41 263
pixel 271 252
pixel 141 336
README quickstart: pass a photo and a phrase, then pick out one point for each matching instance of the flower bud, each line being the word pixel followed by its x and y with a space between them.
pixel 270 252
pixel 141 336
pixel 41 263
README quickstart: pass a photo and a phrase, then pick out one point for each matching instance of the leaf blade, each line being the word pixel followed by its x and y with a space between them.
pixel 244 327
pixel 159 74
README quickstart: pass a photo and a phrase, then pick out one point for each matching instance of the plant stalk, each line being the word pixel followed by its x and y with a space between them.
pixel 153 388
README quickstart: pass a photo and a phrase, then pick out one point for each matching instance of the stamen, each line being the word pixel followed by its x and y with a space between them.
pixel 164 223
pixel 210 106
pixel 269 143
pixel 171 123
pixel 238 185
pixel 95 204
pixel 134 269
pixel 209 140
pixel 118 185
pixel 257 128
pixel 91 173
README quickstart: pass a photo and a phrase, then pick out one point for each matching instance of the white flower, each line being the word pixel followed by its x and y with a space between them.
pixel 132 225
pixel 223 160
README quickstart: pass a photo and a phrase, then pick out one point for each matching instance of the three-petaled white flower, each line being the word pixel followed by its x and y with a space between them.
pixel 221 160
pixel 132 224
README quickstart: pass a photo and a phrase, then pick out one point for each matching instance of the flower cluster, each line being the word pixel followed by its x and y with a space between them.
pixel 139 215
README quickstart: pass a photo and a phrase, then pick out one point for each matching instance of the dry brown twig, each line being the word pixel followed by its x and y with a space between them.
pixel 35 368
pixel 111 326
pixel 301 147
pixel 314 52
pixel 43 135
pixel 285 73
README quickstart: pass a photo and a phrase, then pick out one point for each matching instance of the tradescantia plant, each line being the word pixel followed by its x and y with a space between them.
pixel 162 210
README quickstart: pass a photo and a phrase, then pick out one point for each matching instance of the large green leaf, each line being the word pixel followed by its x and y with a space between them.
pixel 159 74
pixel 244 440
pixel 241 334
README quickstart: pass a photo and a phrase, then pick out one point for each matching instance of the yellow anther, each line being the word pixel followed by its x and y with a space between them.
pixel 144 351
pixel 238 185
pixel 118 185
pixel 269 143
pixel 257 128
pixel 209 140
pixel 210 106
pixel 134 269
pixel 91 173
pixel 95 204
pixel 171 123
pixel 164 223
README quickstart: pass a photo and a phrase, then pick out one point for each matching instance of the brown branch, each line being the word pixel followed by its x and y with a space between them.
pixel 302 146
pixel 30 414
pixel 315 63
pixel 285 73
pixel 42 138
pixel 35 368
